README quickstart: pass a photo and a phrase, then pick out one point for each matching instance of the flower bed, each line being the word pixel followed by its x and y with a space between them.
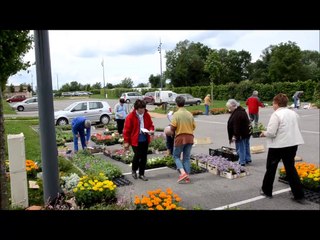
pixel 226 152
pixel 158 200
pixel 309 175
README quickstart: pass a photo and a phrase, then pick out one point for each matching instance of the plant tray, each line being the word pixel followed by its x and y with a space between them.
pixel 256 134
pixel 229 175
pixel 213 169
pixel 121 181
pixel 226 152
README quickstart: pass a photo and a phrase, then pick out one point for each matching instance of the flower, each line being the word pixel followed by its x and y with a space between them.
pixel 309 174
pixel 91 190
pixel 31 168
pixel 158 200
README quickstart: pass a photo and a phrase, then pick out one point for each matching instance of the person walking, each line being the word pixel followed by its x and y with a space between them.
pixel 120 113
pixel 136 132
pixel 207 103
pixel 239 131
pixel 79 125
pixel 296 99
pixel 283 137
pixel 183 125
pixel 253 104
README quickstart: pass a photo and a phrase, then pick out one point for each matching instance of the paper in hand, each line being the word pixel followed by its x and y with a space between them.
pixel 144 130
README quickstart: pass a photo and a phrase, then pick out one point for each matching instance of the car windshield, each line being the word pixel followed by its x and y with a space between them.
pixel 70 106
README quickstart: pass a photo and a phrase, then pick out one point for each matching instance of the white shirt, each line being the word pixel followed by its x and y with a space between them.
pixel 283 129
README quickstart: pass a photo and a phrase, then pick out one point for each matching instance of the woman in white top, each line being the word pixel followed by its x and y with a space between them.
pixel 120 113
pixel 283 137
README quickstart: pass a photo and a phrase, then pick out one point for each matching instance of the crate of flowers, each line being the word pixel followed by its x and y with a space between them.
pixel 226 152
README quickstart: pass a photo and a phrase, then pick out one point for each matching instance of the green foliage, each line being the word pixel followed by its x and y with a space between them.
pixel 7 108
pixel 158 143
pixel 94 189
pixel 316 95
pixel 66 167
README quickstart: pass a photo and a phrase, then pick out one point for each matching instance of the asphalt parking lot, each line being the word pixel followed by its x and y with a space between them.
pixel 210 192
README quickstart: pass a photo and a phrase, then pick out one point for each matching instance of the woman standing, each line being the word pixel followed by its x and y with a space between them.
pixel 120 113
pixel 283 137
pixel 134 133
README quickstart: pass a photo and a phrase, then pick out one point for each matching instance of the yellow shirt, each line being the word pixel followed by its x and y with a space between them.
pixel 207 100
pixel 183 122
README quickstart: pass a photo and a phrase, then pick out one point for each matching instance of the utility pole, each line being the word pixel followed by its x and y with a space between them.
pixel 159 49
pixel 104 91
pixel 57 83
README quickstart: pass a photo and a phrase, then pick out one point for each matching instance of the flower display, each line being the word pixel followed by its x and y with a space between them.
pixel 158 200
pixel 92 190
pixel 69 182
pixel 309 175
pixel 31 168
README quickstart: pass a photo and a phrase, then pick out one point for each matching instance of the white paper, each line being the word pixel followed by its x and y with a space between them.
pixel 144 130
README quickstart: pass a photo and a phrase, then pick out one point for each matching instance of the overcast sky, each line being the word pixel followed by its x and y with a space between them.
pixel 77 55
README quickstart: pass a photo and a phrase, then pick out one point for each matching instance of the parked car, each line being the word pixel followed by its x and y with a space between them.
pixel 149 97
pixel 190 100
pixel 95 111
pixel 131 97
pixel 16 98
pixel 29 104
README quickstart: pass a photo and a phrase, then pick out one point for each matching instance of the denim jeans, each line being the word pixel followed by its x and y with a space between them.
pixel 206 109
pixel 243 150
pixel 254 118
pixel 185 163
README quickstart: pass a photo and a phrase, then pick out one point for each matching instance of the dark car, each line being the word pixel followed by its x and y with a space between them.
pixel 149 97
pixel 16 98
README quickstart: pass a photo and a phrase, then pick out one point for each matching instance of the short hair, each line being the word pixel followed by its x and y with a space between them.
pixel 255 93
pixel 232 103
pixel 281 99
pixel 122 100
pixel 180 101
pixel 87 123
pixel 139 104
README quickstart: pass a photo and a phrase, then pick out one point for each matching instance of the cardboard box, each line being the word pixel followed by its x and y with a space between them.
pixel 257 149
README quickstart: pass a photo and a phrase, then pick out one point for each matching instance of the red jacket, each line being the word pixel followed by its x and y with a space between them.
pixel 131 128
pixel 253 104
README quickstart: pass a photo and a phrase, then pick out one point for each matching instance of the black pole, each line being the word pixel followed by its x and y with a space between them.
pixel 46 117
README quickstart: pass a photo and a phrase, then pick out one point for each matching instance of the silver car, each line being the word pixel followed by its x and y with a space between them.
pixel 95 111
pixel 190 100
pixel 131 97
pixel 30 104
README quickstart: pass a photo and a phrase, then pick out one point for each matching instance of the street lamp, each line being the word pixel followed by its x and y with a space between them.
pixel 102 64
pixel 159 49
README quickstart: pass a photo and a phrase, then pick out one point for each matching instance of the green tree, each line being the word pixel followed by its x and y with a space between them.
pixel 97 85
pixel 14 44
pixel 11 88
pixel 126 83
pixel 21 88
pixel 155 81
pixel 142 85
pixel 29 88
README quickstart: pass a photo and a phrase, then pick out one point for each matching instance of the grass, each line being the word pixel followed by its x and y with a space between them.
pixel 32 140
pixel 7 108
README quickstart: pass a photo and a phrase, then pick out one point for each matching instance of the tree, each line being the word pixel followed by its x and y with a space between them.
pixel 142 85
pixel 11 88
pixel 29 88
pixel 155 81
pixel 21 88
pixel 126 83
pixel 14 44
pixel 97 85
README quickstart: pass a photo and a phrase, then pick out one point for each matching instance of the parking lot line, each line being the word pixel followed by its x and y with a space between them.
pixel 148 170
pixel 249 200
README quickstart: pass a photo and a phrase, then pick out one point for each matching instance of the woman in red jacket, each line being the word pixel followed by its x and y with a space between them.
pixel 137 129
pixel 253 104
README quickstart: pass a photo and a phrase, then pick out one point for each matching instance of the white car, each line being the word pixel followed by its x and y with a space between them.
pixel 95 111
pixel 30 104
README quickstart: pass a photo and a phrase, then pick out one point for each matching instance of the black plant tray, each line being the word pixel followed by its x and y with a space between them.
pixel 226 152
pixel 121 181
pixel 193 171
pixel 256 134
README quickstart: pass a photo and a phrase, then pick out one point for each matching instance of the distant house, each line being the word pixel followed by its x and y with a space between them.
pixel 8 93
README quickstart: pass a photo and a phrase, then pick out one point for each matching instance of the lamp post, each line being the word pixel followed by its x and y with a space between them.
pixel 102 64
pixel 159 49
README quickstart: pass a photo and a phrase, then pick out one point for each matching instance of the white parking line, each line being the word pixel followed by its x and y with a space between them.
pixel 310 115
pixel 249 200
pixel 204 121
pixel 305 131
pixel 148 170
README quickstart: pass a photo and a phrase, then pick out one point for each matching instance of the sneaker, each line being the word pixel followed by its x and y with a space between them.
pixel 263 194
pixel 134 175
pixel 142 177
pixel 300 200
pixel 181 177
pixel 187 180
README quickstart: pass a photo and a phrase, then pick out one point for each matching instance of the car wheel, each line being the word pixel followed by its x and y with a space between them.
pixel 198 103
pixel 105 119
pixel 62 121
pixel 20 108
pixel 128 101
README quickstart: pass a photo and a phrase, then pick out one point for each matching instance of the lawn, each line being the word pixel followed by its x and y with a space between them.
pixel 7 108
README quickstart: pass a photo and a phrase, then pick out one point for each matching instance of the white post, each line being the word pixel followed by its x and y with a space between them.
pixel 18 174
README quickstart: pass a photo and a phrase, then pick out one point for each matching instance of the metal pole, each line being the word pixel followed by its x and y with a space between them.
pixel 104 93
pixel 46 117
pixel 57 83
pixel 159 49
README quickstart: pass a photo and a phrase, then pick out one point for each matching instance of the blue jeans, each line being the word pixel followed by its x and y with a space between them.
pixel 75 138
pixel 243 150
pixel 206 109
pixel 185 163
pixel 295 101
pixel 254 118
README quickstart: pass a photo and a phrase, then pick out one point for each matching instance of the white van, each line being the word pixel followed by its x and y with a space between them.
pixel 164 97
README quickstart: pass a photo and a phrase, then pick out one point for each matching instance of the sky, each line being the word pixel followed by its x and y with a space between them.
pixel 77 55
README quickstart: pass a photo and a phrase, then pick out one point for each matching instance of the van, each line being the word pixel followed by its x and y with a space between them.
pixel 161 97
